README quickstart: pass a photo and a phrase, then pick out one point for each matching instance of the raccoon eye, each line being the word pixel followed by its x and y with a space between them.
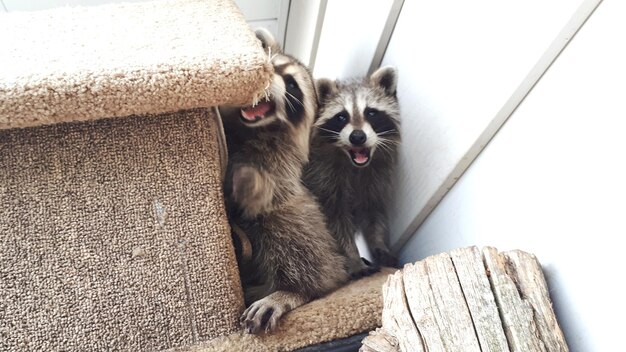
pixel 341 117
pixel 371 112
pixel 290 83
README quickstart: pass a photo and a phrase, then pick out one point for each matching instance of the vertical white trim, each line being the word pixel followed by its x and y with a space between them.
pixel 385 36
pixel 577 20
pixel 318 33
pixel 283 16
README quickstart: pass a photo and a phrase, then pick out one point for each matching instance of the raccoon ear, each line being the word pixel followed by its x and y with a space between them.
pixel 325 88
pixel 267 40
pixel 387 78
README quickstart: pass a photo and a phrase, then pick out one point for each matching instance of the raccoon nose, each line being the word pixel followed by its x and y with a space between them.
pixel 357 137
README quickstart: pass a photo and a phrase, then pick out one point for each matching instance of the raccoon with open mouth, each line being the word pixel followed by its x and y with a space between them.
pixel 294 257
pixel 353 152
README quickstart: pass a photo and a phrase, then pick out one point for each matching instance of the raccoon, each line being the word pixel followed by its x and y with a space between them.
pixel 294 257
pixel 354 149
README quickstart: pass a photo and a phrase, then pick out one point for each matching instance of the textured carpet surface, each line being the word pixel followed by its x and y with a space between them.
pixel 351 310
pixel 83 63
pixel 113 235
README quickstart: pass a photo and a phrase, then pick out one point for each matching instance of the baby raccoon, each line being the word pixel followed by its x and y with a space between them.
pixel 353 153
pixel 294 257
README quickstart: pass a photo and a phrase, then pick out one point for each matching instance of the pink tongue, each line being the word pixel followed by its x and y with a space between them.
pixel 250 113
pixel 360 157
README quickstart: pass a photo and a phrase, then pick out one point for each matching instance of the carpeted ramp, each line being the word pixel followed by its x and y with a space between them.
pixel 350 310
pixel 113 234
pixel 85 63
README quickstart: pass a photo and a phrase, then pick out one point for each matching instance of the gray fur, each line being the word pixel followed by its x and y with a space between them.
pixel 294 257
pixel 356 198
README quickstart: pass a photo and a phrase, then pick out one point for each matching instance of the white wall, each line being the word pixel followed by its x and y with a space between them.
pixel 553 182
pixel 349 37
pixel 460 64
pixel 302 28
pixel 269 14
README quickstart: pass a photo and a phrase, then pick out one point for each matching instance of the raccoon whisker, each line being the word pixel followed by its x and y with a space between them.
pixel 383 146
pixel 388 144
pixel 290 104
pixel 388 141
pixel 386 132
pixel 385 149
pixel 327 130
pixel 294 98
pixel 389 153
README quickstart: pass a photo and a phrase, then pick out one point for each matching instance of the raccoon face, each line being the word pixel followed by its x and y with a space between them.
pixel 291 97
pixel 360 117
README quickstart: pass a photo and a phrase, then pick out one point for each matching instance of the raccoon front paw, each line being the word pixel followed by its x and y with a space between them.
pixel 263 315
pixel 251 191
pixel 364 268
pixel 384 258
pixel 245 183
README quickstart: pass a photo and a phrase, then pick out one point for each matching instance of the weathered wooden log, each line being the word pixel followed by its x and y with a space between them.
pixel 380 340
pixel 397 316
pixel 468 300
pixel 479 298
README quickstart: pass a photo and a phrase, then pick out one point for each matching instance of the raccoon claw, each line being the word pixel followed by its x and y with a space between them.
pixel 262 315
pixel 366 269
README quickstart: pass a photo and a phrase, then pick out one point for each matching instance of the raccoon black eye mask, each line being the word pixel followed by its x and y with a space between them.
pixel 332 129
pixel 359 136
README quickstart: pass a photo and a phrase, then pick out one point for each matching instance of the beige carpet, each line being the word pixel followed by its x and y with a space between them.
pixel 351 310
pixel 113 236
pixel 71 64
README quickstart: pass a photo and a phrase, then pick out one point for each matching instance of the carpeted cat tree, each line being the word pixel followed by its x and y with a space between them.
pixel 113 234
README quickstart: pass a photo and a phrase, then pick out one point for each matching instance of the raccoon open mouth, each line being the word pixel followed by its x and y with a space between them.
pixel 258 112
pixel 359 156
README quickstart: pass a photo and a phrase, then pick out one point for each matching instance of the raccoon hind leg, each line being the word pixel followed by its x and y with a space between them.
pixel 307 258
pixel 375 233
pixel 299 259
pixel 344 231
